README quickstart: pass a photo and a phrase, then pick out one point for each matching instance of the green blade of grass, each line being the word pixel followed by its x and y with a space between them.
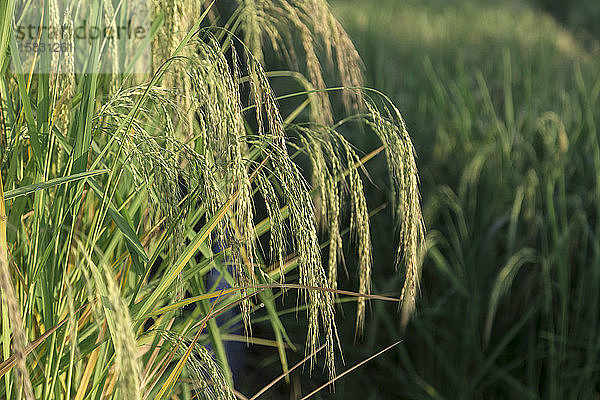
pixel 26 190
pixel 174 270
pixel 133 242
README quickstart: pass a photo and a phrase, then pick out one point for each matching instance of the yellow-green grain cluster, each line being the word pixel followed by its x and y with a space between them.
pixel 127 190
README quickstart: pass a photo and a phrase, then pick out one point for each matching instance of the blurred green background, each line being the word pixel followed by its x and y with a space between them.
pixel 501 99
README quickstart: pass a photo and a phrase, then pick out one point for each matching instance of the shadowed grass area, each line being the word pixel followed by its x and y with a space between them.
pixel 503 103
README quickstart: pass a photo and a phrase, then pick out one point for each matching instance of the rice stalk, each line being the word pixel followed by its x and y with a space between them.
pixel 220 159
pixel 113 52
pixel 209 381
pixel 335 171
pixel 9 297
pixel 272 21
pixel 400 156
pixel 66 76
pixel 109 306
pixel 54 21
pixel 124 340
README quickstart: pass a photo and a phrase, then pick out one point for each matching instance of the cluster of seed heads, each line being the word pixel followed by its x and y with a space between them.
pixel 209 103
pixel 279 24
pixel 208 379
pixel 404 178
pixel 193 125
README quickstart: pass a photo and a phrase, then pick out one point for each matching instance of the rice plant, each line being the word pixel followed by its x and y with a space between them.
pixel 121 191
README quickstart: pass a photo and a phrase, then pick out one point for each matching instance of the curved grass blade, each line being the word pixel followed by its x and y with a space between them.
pixel 185 256
pixel 133 242
pixel 174 376
pixel 26 190
pixel 351 369
pixel 207 296
pixel 286 374
pixel 6 365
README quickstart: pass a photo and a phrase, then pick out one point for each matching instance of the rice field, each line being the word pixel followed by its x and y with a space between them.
pixel 264 199
pixel 502 103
